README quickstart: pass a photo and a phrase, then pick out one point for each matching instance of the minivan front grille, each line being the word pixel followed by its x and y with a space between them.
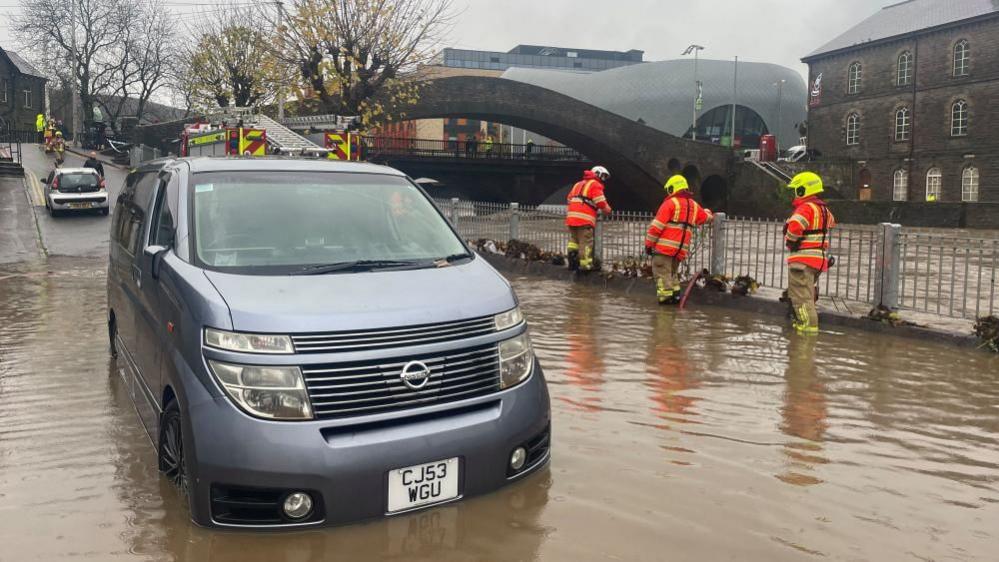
pixel 373 387
pixel 364 340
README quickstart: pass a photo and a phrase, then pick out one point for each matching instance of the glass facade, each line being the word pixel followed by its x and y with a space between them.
pixel 589 61
pixel 715 126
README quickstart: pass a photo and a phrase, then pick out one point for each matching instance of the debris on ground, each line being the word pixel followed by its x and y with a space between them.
pixel 885 315
pixel 490 246
pixel 527 251
pixel 716 282
pixel 744 285
pixel 631 267
pixel 987 330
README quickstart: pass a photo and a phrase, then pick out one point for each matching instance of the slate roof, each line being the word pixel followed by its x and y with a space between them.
pixel 23 66
pixel 907 17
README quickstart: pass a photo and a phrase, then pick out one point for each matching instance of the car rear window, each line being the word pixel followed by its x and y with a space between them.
pixel 77 180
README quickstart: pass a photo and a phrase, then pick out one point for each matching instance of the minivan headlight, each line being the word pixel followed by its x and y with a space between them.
pixel 276 393
pixel 508 319
pixel 248 343
pixel 516 360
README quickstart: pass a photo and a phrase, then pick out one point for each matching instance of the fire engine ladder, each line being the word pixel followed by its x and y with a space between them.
pixel 285 139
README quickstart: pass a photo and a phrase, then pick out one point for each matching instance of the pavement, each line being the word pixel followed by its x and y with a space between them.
pixel 83 234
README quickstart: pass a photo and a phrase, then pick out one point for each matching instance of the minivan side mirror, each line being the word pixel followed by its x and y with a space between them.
pixel 156 254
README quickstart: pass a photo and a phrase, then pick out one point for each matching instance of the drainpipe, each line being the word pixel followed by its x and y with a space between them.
pixel 912 122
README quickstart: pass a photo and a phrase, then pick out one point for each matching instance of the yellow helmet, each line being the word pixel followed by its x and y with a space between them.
pixel 806 184
pixel 58 133
pixel 676 184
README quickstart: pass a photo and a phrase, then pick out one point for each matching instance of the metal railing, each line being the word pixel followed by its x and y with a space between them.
pixel 922 270
pixel 11 141
pixel 455 149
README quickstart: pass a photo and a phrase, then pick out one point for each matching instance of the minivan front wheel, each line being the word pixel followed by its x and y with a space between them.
pixel 172 462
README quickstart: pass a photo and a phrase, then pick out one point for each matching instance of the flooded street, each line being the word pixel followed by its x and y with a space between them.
pixel 703 435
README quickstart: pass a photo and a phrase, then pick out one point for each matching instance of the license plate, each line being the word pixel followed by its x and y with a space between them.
pixel 80 205
pixel 422 485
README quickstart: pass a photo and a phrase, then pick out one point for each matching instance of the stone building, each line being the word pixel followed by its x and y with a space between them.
pixel 22 92
pixel 910 97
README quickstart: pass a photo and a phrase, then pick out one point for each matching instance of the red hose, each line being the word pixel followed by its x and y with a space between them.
pixel 690 287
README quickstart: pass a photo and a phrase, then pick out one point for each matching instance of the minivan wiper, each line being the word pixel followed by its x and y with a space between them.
pixel 448 260
pixel 356 265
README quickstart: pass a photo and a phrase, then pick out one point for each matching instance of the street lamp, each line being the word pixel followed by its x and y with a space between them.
pixel 780 90
pixel 697 88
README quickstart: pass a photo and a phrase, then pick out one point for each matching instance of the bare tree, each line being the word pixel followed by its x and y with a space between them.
pixel 352 55
pixel 229 60
pixel 43 28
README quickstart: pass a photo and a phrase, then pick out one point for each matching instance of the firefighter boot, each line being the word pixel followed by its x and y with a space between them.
pixel 572 256
pixel 586 260
pixel 662 293
pixel 803 322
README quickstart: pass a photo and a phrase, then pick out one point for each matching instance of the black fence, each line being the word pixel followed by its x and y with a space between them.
pixel 376 146
pixel 11 141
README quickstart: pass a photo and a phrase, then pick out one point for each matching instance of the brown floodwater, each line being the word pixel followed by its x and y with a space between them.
pixel 703 435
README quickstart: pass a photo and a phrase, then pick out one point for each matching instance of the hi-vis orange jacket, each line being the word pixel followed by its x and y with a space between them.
pixel 584 199
pixel 671 231
pixel 806 233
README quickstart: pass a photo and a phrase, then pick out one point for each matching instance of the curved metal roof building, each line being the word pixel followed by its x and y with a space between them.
pixel 662 95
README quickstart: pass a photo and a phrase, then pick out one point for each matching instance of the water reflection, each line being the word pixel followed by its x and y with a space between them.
pixel 669 369
pixel 803 414
pixel 584 361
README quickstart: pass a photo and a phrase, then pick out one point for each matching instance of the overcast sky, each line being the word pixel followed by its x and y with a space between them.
pixel 777 31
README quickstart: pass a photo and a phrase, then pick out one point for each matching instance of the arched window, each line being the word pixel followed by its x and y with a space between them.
pixel 903 125
pixel 904 75
pixel 962 58
pixel 853 129
pixel 969 185
pixel 934 184
pixel 900 186
pixel 959 119
pixel 853 78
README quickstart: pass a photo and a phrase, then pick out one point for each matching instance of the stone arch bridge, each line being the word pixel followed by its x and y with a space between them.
pixel 640 158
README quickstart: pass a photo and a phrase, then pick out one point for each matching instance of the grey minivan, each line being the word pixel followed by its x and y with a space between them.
pixel 311 342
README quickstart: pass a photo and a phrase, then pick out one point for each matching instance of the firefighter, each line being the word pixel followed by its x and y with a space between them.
pixel 40 127
pixel 586 199
pixel 669 235
pixel 806 235
pixel 49 135
pixel 59 146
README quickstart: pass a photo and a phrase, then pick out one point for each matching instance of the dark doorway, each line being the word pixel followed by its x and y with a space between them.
pixel 864 185
pixel 714 193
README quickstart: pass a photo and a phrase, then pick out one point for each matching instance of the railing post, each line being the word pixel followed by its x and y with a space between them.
pixel 598 241
pixel 719 230
pixel 888 265
pixel 514 221
pixel 452 212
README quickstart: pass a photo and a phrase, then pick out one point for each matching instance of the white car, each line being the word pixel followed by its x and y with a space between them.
pixel 795 153
pixel 75 189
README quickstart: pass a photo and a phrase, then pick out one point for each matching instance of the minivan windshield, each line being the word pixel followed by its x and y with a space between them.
pixel 277 222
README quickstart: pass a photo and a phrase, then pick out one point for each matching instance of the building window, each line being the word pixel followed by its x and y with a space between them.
pixel 853 129
pixel 962 58
pixel 572 54
pixel 900 186
pixel 27 98
pixel 903 125
pixel 904 76
pixel 934 183
pixel 969 185
pixel 4 84
pixel 853 79
pixel 959 119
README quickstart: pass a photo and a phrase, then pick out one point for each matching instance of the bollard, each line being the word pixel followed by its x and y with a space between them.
pixel 598 241
pixel 514 221
pixel 888 265
pixel 718 232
